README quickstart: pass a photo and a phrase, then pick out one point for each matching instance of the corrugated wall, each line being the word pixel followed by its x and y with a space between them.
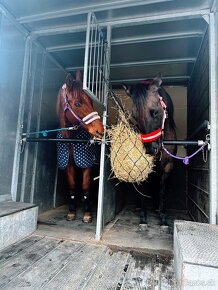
pixel 12 46
pixel 198 111
pixel 27 105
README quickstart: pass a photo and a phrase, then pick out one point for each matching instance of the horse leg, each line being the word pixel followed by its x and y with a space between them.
pixel 72 197
pixel 143 212
pixel 162 199
pixel 87 217
pixel 143 209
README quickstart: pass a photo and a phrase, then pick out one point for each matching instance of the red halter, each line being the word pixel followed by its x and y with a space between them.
pixel 152 136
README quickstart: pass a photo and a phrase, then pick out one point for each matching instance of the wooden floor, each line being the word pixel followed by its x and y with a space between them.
pixel 65 255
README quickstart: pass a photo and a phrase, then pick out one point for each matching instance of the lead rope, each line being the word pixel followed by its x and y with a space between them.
pixel 185 160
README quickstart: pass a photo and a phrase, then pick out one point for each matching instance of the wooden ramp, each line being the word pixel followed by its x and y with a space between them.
pixel 40 262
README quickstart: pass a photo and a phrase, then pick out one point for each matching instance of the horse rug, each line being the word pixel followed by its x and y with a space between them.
pixel 85 155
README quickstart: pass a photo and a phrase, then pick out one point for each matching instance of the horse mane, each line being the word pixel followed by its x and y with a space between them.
pixel 139 94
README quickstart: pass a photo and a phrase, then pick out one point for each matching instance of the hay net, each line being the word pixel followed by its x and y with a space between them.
pixel 128 157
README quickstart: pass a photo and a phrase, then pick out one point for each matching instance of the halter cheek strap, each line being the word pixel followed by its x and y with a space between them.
pixel 150 137
pixel 84 121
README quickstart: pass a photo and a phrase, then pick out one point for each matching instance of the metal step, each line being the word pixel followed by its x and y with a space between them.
pixel 196 255
pixel 17 221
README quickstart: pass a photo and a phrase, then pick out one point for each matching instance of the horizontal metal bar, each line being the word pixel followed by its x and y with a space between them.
pixel 166 142
pixel 173 78
pixel 132 40
pixel 55 140
pixel 158 37
pixel 182 142
pixel 102 6
pixel 198 207
pixel 199 169
pixel 131 21
pixel 154 62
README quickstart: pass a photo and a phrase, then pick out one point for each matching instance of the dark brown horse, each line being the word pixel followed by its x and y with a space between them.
pixel 153 112
pixel 75 108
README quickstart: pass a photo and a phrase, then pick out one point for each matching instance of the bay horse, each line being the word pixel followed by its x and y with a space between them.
pixel 153 113
pixel 75 108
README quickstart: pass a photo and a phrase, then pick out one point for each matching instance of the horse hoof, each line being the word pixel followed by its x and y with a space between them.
pixel 143 227
pixel 87 217
pixel 164 229
pixel 71 216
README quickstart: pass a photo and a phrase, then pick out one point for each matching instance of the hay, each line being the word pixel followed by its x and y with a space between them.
pixel 128 157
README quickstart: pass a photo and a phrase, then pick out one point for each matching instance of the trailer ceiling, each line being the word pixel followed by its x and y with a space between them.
pixel 148 36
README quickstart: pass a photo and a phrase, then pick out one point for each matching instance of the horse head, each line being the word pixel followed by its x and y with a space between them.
pixel 148 111
pixel 75 107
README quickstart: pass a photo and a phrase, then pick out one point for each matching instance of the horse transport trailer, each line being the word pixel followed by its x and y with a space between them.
pixel 111 43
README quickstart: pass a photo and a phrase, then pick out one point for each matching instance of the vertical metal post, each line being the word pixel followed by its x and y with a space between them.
pixel 16 163
pixel 35 154
pixel 86 59
pixel 213 116
pixel 32 71
pixel 99 225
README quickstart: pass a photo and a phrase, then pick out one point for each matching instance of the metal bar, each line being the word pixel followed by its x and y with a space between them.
pixel 154 62
pixel 94 59
pixel 165 142
pixel 26 154
pixel 192 217
pixel 16 162
pixel 198 207
pixel 97 68
pixel 38 140
pixel 157 18
pixel 99 222
pixel 213 116
pixel 183 142
pixel 93 97
pixel 86 57
pixel 157 37
pixel 199 188
pixel 90 47
pixel 102 6
pixel 35 153
pixel 132 40
pixel 173 78
pixel 101 71
pixel 144 63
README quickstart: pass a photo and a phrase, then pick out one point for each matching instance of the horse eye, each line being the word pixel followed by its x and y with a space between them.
pixel 154 113
pixel 77 105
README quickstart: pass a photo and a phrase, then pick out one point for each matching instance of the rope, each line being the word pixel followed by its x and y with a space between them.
pixel 185 160
pixel 45 132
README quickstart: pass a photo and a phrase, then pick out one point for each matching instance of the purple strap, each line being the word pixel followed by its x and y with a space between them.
pixel 67 107
pixel 185 160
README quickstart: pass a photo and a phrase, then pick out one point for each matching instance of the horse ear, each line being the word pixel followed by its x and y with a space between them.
pixel 127 89
pixel 157 80
pixel 156 83
pixel 69 80
pixel 78 76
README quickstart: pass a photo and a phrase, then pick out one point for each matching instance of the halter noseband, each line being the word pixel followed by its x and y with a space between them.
pixel 84 121
pixel 152 136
